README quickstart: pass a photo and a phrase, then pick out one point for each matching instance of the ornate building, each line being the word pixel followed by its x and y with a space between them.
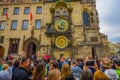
pixel 54 27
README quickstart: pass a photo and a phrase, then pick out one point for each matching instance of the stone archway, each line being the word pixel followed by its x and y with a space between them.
pixel 1 52
pixel 31 49
pixel 31 46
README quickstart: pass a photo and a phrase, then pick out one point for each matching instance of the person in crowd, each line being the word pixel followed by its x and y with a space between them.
pixel 21 72
pixel 66 73
pixel 54 75
pixel 33 56
pixel 81 63
pixel 7 73
pixel 108 63
pixel 99 75
pixel 8 57
pixel 2 72
pixel 54 65
pixel 1 63
pixel 15 65
pixel 63 60
pixel 75 70
pixel 60 64
pixel 39 72
pixel 9 69
pixel 47 67
pixel 5 66
pixel 87 64
pixel 117 65
pixel 111 74
pixel 113 64
pixel 69 61
pixel 77 61
pixel 86 75
pixel 31 69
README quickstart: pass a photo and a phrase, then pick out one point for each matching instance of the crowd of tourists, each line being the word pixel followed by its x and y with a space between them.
pixel 66 68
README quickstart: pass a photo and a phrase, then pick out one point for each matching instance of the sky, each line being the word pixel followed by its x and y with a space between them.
pixel 109 18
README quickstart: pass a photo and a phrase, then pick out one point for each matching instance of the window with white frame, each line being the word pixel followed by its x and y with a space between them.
pixel 2 25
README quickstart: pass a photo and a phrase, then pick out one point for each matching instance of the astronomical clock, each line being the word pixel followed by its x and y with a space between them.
pixel 61 25
pixel 61 42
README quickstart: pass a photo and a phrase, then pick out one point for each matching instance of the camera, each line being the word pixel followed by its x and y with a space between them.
pixel 90 63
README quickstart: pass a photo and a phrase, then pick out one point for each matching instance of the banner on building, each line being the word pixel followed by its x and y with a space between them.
pixel 7 17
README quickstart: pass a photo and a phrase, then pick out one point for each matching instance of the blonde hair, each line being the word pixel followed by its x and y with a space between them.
pixel 99 75
pixel 65 71
pixel 5 66
pixel 54 75
pixel 63 58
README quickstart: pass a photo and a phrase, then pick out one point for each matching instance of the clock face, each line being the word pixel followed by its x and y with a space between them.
pixel 61 25
pixel 61 42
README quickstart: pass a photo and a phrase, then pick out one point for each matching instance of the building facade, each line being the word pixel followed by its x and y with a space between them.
pixel 114 48
pixel 54 27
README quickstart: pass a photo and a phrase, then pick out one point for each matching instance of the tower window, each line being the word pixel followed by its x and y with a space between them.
pixel 64 13
pixel 94 39
pixel 57 13
pixel 85 18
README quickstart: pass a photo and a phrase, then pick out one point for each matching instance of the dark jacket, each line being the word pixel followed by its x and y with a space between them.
pixel 71 77
pixel 20 74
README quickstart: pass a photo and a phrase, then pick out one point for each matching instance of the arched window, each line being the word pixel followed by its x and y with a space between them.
pixel 85 18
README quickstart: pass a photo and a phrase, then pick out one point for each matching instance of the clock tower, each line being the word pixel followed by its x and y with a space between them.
pixel 59 30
